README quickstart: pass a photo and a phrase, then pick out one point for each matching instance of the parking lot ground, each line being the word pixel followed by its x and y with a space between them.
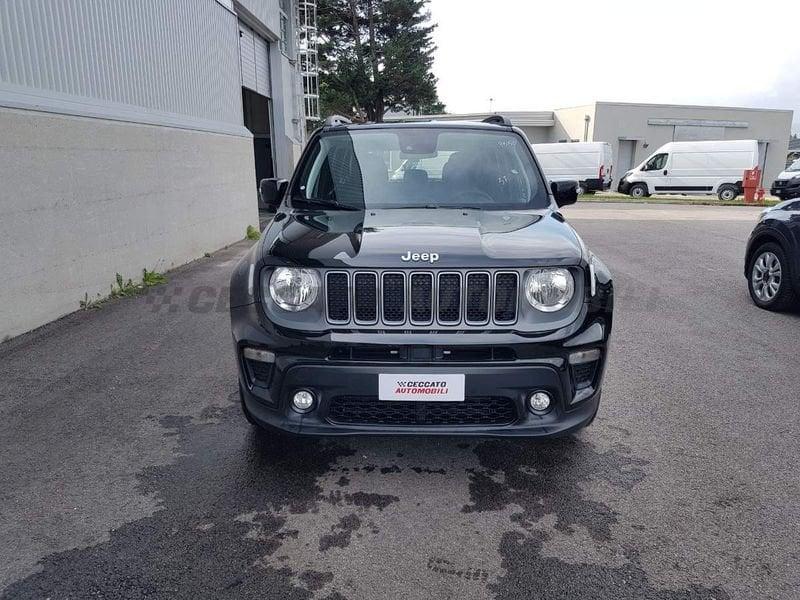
pixel 127 471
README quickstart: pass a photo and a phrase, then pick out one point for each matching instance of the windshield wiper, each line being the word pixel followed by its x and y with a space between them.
pixel 325 204
pixel 438 206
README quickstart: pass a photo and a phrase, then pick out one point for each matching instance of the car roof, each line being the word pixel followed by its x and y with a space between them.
pixel 418 125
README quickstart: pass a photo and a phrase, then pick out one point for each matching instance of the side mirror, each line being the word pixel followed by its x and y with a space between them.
pixel 272 191
pixel 565 192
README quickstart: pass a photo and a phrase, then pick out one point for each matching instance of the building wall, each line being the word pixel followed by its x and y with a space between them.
pixel 83 199
pixel 571 124
pixel 122 146
pixel 616 121
pixel 537 135
pixel 172 62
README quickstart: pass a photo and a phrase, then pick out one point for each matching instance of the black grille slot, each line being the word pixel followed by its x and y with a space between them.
pixel 584 374
pixel 421 298
pixel 366 353
pixel 394 298
pixel 477 297
pixel 505 297
pixel 337 298
pixel 260 372
pixel 449 310
pixel 477 353
pixel 366 297
pixel 368 410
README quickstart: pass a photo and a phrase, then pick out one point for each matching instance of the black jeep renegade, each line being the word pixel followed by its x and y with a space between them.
pixel 417 278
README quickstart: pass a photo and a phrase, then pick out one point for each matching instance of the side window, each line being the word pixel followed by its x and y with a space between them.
pixel 658 162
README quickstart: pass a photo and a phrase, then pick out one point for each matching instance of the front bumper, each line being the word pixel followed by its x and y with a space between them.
pixel 624 186
pixel 786 188
pixel 336 365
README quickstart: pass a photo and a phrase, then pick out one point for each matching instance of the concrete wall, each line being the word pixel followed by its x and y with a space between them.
pixel 571 124
pixel 537 135
pixel 615 121
pixel 84 198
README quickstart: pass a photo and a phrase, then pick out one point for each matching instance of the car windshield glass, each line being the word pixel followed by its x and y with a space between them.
pixel 421 168
pixel 795 166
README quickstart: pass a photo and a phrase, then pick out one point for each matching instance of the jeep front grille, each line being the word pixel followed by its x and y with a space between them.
pixel 474 410
pixel 422 298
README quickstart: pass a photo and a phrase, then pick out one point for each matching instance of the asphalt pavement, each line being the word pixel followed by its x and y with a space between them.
pixel 127 471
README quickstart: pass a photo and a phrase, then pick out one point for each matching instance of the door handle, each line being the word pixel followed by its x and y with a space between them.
pixel 665 171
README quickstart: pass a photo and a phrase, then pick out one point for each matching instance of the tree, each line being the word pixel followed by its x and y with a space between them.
pixel 375 57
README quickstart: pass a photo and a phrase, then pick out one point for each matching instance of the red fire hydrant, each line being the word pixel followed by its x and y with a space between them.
pixel 750 182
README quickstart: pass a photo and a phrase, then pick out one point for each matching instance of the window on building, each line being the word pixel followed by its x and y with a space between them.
pixel 285 9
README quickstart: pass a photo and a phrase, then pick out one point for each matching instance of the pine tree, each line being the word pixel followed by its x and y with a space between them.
pixel 375 57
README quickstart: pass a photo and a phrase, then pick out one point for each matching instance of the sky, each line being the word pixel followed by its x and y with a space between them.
pixel 545 54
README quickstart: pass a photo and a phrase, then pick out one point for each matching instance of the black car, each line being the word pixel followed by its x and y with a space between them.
pixel 445 297
pixel 772 261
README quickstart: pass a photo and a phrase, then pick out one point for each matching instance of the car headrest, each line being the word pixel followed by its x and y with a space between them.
pixel 416 177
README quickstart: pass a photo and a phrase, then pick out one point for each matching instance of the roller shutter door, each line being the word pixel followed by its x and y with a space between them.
pixel 254 60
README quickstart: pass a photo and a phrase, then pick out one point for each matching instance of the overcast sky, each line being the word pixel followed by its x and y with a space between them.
pixel 545 54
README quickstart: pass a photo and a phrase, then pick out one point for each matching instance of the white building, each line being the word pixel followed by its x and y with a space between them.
pixel 636 130
pixel 132 135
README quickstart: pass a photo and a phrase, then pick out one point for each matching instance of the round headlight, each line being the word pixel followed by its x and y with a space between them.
pixel 294 289
pixel 549 290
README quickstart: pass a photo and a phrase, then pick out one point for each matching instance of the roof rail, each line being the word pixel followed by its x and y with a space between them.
pixel 497 120
pixel 336 120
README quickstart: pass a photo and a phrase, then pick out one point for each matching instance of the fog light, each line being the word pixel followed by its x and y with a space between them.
pixel 539 401
pixel 303 400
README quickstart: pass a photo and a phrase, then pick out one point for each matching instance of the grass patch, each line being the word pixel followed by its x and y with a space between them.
pixel 122 289
pixel 252 233
pixel 690 201
pixel 151 278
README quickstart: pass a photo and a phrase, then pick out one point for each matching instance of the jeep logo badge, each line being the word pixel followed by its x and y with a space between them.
pixel 430 257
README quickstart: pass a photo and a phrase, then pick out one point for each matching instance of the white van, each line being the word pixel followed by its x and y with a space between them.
pixel 787 184
pixel 693 168
pixel 588 163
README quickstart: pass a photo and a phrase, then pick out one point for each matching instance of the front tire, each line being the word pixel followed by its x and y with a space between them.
pixel 638 190
pixel 727 193
pixel 769 280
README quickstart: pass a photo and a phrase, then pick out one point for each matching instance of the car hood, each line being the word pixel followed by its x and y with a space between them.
pixel 460 238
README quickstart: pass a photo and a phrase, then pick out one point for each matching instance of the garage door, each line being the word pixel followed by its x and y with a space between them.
pixel 254 60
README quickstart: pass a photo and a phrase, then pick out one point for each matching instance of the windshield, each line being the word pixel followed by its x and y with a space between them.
pixel 795 166
pixel 421 168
